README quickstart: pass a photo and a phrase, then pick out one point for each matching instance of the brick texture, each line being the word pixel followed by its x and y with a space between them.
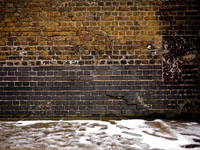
pixel 61 58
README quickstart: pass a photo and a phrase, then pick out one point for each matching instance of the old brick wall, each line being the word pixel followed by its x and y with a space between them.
pixel 61 58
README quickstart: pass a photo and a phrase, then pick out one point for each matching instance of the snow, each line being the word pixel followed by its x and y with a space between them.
pixel 94 134
pixel 25 123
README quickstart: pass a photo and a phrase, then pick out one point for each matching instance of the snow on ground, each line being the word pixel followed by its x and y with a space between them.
pixel 134 134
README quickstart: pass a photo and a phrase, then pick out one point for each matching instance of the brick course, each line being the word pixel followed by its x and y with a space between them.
pixel 61 58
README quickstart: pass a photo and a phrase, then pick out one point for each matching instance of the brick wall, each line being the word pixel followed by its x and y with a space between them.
pixel 61 58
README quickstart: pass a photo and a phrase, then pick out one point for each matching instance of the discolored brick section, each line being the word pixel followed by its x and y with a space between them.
pixel 178 52
pixel 122 90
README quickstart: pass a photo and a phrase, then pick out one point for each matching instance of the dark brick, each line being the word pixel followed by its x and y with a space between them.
pixel 57 108
pixel 49 73
pixel 102 78
pixel 101 68
pixel 25 73
pixel 108 72
pixel 189 66
pixel 100 107
pixel 26 83
pixel 114 107
pixel 158 106
pixel 85 107
pixel 116 72
pixel 116 67
pixel 116 77
pixel 174 87
pixel 24 79
pixel 57 68
pixel 38 78
pixel 10 78
pixel 158 97
pixel 87 78
pixel 172 106
pixel 174 97
pixel 71 73
pixel 10 68
pixel 15 103
pixel 87 67
pixel 130 107
pixel 41 83
pixel 156 67
pixel 157 77
pixel 18 73
pixel 102 72
pixel 3 73
pixel 145 67
pixel 146 72
pixel 115 83
pixel 71 108
pixel 120 102
pixel 128 78
pixel 10 84
pixel 24 68
pixel 129 67
pixel 41 73
pixel 138 72
pixel 145 77
pixel 59 84
pixel 8 107
pixel 87 98
pixel 10 88
pixel 38 68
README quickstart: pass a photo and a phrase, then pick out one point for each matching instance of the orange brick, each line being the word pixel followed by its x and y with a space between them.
pixel 26 19
pixel 8 19
pixel 78 18
pixel 61 57
pixel 60 42
pixel 56 14
pixel 50 29
pixel 151 18
pixel 36 9
pixel 47 57
pixel 3 57
pixel 9 5
pixel 43 43
pixel 73 57
pixel 109 18
pixel 130 38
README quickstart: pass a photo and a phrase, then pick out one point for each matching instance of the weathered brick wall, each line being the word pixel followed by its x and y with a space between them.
pixel 62 58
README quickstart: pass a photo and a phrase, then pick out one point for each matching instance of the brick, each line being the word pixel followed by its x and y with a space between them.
pixel 24 68
pixel 10 78
pixel 172 106
pixel 24 79
pixel 3 73
pixel 10 69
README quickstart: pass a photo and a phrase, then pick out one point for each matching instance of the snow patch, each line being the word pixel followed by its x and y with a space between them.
pixel 123 134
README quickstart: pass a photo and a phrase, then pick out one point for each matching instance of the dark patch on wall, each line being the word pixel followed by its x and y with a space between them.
pixel 179 17
pixel 179 51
